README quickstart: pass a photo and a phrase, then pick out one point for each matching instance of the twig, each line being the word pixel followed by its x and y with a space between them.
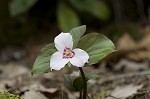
pixel 112 96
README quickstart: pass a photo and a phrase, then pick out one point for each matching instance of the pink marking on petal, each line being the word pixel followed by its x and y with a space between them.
pixel 68 53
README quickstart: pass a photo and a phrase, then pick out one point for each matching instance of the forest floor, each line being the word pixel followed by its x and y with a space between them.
pixel 124 74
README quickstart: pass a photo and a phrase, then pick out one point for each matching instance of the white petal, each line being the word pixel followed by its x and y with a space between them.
pixel 63 40
pixel 81 54
pixel 76 62
pixel 57 62
pixel 81 57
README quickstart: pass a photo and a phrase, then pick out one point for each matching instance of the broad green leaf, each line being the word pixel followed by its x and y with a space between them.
pixel 92 75
pixel 97 46
pixel 42 62
pixel 90 86
pixel 77 33
pixel 67 18
pixel 19 6
pixel 68 82
pixel 78 84
pixel 95 7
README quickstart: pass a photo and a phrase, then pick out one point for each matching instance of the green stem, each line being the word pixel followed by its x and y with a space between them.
pixel 80 95
pixel 84 82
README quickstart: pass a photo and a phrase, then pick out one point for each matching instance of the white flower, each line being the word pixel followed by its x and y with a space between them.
pixel 64 44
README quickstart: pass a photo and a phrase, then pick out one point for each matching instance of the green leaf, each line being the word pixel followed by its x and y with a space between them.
pixel 95 7
pixel 42 62
pixel 67 18
pixel 19 6
pixel 97 46
pixel 78 84
pixel 68 82
pixel 77 33
pixel 90 86
pixel 92 75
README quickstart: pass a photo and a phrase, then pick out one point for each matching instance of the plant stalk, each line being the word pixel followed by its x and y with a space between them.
pixel 80 95
pixel 84 82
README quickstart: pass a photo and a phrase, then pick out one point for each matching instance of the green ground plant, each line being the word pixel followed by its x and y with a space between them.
pixel 7 95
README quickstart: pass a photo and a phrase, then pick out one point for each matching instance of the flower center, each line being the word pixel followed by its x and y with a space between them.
pixel 68 53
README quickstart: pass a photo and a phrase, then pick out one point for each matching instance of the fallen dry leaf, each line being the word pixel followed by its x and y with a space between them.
pixel 13 70
pixel 33 95
pixel 126 42
pixel 139 55
pixel 130 65
pixel 122 92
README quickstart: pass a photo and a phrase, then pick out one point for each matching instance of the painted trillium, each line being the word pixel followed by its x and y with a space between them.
pixel 64 44
pixel 54 56
pixel 93 48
